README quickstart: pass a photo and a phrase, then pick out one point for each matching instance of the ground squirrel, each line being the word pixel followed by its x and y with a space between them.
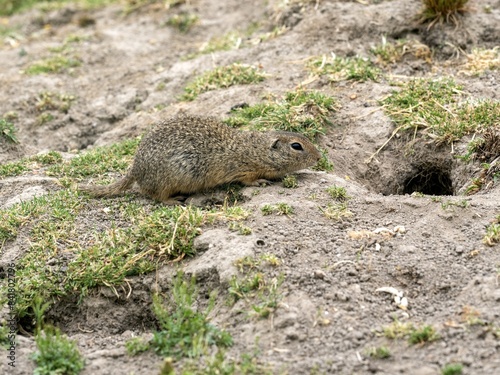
pixel 187 154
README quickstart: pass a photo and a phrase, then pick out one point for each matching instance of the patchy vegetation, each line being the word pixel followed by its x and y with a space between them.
pixel 297 263
pixel 338 69
pixel 222 77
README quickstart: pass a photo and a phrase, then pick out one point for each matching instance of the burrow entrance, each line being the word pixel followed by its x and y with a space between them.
pixel 430 178
pixel 430 170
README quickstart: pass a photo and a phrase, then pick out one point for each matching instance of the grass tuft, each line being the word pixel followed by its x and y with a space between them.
pixel 442 11
pixel 260 293
pixel 380 352
pixel 339 69
pixel 437 109
pixel 222 77
pixel 52 65
pixel 8 131
pixel 452 369
pixel 183 22
pixel 300 111
pixel 423 335
pixel 185 332
pixel 56 354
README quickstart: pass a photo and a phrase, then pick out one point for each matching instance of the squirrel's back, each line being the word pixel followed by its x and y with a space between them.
pixel 185 154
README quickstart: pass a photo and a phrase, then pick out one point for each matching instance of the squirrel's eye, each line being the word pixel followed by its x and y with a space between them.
pixel 297 146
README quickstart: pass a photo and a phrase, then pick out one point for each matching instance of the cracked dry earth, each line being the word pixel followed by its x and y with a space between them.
pixel 427 247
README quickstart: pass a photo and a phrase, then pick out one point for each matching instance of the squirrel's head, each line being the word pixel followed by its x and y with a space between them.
pixel 291 152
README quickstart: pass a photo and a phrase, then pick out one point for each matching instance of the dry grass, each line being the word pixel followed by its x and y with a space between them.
pixel 480 60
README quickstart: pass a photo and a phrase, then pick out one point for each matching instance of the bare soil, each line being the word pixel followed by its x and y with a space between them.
pixel 331 311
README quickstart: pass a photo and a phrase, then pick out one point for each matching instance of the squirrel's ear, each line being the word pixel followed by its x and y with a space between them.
pixel 275 143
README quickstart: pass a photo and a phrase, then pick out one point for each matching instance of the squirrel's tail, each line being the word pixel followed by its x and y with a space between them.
pixel 115 188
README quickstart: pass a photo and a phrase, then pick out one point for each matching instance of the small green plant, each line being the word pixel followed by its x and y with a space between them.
pixel 492 236
pixel 137 345
pixel 290 181
pixel 47 100
pixel 53 64
pixel 8 131
pixel 450 203
pixel 239 289
pixel 183 22
pixel 398 330
pixel 260 293
pixel 44 118
pixel 15 168
pixel 278 209
pixel 252 263
pixel 442 11
pixel 222 77
pixel 379 352
pixel 324 164
pixel 389 53
pixel 284 209
pixel 240 228
pixel 422 335
pixel 338 193
pixel 339 69
pixel 471 316
pixel 185 332
pixel 452 369
pixel 56 354
pixel 49 158
pixel 336 211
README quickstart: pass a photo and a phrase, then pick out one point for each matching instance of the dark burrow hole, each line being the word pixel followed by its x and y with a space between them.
pixel 430 178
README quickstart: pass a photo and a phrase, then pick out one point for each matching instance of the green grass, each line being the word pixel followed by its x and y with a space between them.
pixel 260 292
pixel 30 164
pixel 8 7
pixel 492 235
pixel 380 352
pixel 452 369
pixel 183 22
pixel 97 162
pixel 56 354
pixel 300 111
pixel 185 331
pixel 290 182
pixel 338 193
pixel 53 64
pixel 8 131
pixel 222 77
pixel 336 211
pixel 114 158
pixel 339 69
pixel 437 109
pixel 414 335
pixel 390 53
pixel 105 258
pixel 442 11
pixel 47 101
pixel 422 335
pixel 278 209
